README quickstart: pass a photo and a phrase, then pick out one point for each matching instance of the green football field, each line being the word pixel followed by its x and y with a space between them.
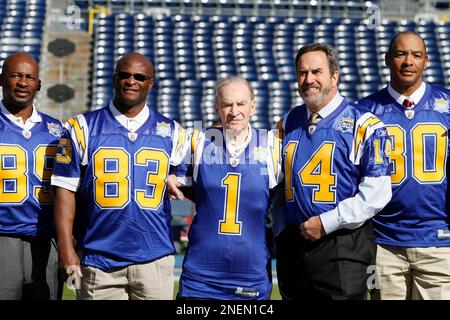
pixel 70 294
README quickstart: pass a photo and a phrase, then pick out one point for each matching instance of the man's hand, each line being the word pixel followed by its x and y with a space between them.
pixel 74 276
pixel 68 258
pixel 71 264
pixel 172 186
pixel 312 229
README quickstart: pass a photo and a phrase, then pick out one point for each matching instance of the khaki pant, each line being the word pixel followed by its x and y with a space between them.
pixel 149 281
pixel 413 273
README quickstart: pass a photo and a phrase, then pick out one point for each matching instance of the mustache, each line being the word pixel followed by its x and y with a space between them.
pixel 22 90
pixel 311 86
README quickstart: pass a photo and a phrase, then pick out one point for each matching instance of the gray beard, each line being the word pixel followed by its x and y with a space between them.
pixel 316 100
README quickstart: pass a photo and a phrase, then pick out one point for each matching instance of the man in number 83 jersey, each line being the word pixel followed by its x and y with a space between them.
pixel 117 159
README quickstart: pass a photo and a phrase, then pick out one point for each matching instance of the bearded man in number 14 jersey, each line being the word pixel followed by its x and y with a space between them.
pixel 413 254
pixel 337 178
pixel 116 160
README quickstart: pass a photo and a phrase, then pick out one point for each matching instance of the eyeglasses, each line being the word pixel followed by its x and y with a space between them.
pixel 122 75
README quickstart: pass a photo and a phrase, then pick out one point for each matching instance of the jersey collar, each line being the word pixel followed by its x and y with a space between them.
pixel 28 124
pixel 329 108
pixel 132 124
pixel 415 97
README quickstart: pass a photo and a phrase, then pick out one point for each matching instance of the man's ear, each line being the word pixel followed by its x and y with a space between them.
pixel 39 85
pixel 335 77
pixel 386 60
pixel 253 109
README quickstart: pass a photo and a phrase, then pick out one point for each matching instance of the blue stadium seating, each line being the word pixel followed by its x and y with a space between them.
pixel 191 52
pixel 22 26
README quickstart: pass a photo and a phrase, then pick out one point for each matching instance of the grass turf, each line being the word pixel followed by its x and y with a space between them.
pixel 69 294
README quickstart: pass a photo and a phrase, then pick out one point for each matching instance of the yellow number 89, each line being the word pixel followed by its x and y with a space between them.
pixel 14 173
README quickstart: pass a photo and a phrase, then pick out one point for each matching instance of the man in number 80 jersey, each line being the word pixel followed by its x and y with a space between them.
pixel 413 254
pixel 116 160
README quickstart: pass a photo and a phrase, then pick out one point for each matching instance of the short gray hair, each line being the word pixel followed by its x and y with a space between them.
pixel 330 51
pixel 226 81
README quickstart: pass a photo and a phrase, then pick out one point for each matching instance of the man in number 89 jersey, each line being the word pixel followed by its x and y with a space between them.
pixel 116 160
pixel 28 143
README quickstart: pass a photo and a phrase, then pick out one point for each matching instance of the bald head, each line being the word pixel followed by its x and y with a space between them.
pixel 13 59
pixel 19 81
pixel 135 57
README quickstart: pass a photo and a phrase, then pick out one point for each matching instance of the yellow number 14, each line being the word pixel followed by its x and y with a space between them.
pixel 317 172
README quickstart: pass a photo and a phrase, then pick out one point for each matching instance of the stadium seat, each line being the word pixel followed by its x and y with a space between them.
pixel 196 50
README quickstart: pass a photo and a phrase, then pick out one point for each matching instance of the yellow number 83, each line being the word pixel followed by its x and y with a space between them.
pixel 112 177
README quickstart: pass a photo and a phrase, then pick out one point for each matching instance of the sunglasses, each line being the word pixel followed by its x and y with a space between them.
pixel 122 75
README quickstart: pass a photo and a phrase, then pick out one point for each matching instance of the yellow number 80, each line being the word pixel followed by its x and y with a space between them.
pixel 423 171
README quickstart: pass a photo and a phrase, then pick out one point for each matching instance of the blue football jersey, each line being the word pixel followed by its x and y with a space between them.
pixel 325 166
pixel 227 256
pixel 123 209
pixel 418 147
pixel 26 165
